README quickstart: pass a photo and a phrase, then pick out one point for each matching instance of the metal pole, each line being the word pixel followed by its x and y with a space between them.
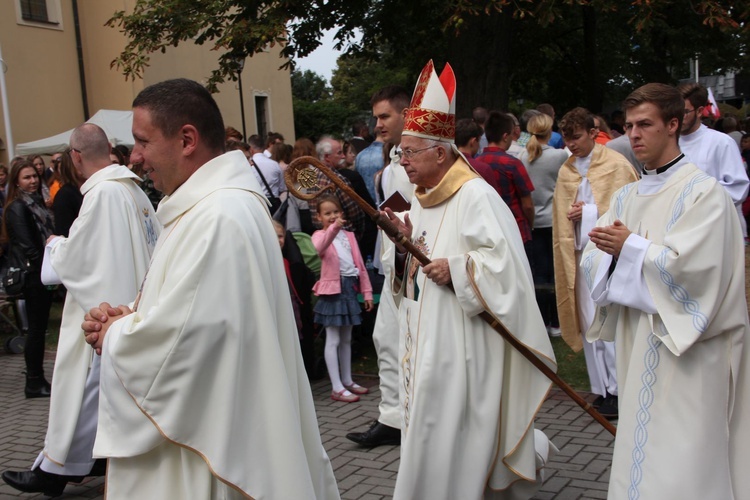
pixel 242 105
pixel 6 111
pixel 81 67
pixel 697 80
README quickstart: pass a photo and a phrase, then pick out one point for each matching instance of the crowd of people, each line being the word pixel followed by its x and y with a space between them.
pixel 623 235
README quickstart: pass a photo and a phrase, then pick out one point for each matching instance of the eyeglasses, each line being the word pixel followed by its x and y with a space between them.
pixel 688 111
pixel 409 153
pixel 56 161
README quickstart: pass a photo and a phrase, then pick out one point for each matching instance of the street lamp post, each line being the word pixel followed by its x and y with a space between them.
pixel 6 111
pixel 240 67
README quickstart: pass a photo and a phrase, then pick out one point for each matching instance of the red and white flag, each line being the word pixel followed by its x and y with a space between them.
pixel 711 109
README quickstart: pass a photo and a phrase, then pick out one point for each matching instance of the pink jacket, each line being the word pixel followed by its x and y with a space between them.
pixel 330 273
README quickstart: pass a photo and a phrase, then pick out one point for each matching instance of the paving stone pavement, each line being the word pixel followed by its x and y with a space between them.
pixel 580 471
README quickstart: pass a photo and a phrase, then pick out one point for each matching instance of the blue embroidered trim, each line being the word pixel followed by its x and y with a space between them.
pixel 620 197
pixel 642 416
pixel 692 307
pixel 679 206
pixel 587 266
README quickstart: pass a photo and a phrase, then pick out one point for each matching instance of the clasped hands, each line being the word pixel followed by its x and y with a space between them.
pixel 575 214
pixel 610 239
pixel 438 270
pixel 97 322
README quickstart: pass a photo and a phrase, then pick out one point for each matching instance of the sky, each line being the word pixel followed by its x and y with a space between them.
pixel 323 59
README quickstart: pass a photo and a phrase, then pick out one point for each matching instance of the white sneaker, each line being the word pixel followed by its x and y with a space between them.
pixel 554 331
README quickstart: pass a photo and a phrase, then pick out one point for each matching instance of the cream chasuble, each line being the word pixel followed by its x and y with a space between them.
pixel 468 400
pixel 203 390
pixel 104 259
pixel 682 370
pixel 608 171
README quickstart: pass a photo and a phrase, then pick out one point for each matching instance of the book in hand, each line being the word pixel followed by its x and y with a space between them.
pixel 396 202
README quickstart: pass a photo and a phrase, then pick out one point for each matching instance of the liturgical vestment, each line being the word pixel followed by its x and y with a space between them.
pixel 608 171
pixel 675 306
pixel 468 399
pixel 203 390
pixel 385 332
pixel 104 258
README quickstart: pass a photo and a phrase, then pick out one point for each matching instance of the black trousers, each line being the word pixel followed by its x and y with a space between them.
pixel 543 270
pixel 38 303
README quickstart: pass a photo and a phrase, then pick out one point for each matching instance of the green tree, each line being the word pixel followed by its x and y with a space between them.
pixel 309 86
pixel 358 76
pixel 577 51
pixel 315 111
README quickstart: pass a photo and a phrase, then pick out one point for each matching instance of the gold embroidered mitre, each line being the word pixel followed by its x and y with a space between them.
pixel 432 111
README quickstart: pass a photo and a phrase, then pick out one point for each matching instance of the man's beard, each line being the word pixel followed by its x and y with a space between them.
pixel 687 128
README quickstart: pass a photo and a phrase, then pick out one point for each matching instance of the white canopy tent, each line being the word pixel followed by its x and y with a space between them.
pixel 116 124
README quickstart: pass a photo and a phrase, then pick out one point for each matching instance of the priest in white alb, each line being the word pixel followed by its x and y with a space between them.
pixel 387 107
pixel 666 268
pixel 105 256
pixel 467 398
pixel 203 391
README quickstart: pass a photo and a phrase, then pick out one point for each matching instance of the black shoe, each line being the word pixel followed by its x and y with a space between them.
pixel 598 402
pixel 609 409
pixel 37 387
pixel 377 435
pixel 38 481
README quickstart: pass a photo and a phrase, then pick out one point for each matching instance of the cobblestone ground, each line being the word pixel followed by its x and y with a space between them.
pixel 579 471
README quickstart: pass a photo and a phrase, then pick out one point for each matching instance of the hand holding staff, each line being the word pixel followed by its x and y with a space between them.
pixel 301 173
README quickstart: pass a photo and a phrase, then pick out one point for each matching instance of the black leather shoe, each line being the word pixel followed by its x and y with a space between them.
pixel 37 387
pixel 41 392
pixel 38 481
pixel 609 407
pixel 377 435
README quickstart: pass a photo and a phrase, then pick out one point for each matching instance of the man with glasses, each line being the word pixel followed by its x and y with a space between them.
pixel 467 399
pixel 331 153
pixel 712 151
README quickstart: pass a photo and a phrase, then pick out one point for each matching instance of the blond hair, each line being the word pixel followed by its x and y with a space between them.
pixel 540 128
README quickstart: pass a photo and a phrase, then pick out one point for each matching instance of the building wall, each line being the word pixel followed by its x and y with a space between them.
pixel 43 82
pixel 44 94
pixel 260 76
pixel 106 87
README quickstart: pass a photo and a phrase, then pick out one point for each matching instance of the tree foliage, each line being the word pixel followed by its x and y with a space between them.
pixel 569 53
pixel 309 86
pixel 358 76
pixel 315 111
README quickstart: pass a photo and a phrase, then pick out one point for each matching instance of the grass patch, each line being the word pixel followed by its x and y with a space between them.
pixel 571 366
pixel 53 325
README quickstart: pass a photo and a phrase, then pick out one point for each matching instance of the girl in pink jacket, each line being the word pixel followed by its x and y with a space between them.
pixel 342 274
